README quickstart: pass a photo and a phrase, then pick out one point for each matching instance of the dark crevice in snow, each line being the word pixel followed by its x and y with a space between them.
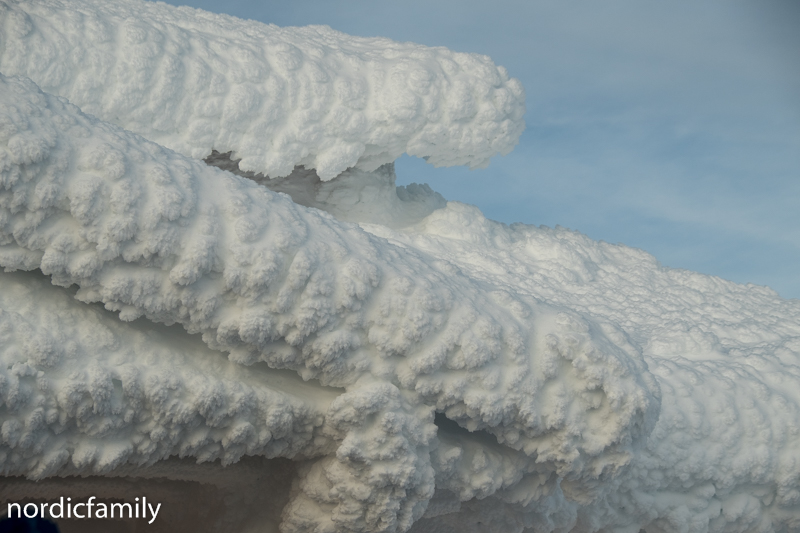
pixel 354 195
pixel 452 427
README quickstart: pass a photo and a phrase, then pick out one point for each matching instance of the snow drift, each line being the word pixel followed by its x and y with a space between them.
pixel 428 369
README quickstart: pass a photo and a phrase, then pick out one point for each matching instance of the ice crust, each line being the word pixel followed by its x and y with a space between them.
pixel 277 97
pixel 460 374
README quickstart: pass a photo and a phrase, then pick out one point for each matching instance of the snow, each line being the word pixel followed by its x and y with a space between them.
pixel 83 392
pixel 429 369
pixel 278 97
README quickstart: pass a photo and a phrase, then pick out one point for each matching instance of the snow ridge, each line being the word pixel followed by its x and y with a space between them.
pixel 277 97
pixel 85 393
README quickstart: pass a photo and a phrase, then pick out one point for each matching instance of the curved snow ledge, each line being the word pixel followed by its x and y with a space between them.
pixel 276 97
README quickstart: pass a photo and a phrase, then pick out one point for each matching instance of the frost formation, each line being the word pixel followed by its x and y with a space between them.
pixel 277 97
pixel 424 368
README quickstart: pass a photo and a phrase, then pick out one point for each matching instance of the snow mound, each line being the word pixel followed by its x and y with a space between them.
pixel 277 97
pixel 724 454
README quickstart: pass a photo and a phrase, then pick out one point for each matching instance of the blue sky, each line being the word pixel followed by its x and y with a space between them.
pixel 668 126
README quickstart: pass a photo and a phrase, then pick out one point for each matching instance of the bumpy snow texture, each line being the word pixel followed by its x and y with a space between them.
pixel 428 369
pixel 276 97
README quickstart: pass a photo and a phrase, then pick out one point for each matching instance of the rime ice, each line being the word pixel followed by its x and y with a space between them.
pixel 433 369
pixel 277 97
